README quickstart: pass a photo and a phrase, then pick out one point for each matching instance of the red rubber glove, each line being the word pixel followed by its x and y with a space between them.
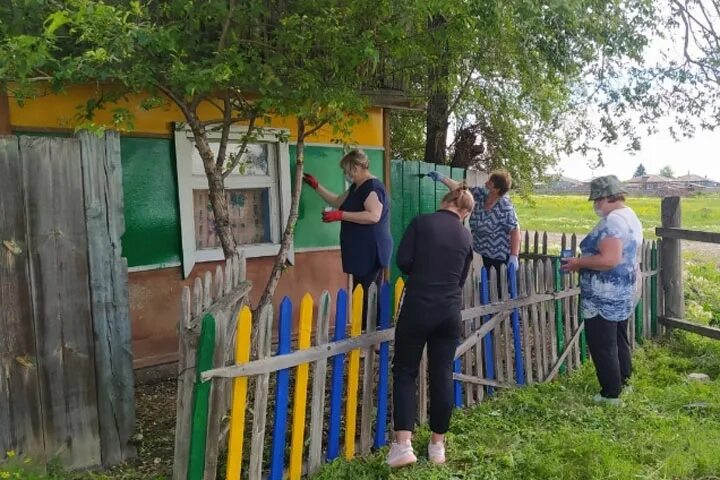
pixel 332 216
pixel 310 180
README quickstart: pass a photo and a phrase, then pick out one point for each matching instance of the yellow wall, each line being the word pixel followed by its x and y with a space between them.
pixel 59 111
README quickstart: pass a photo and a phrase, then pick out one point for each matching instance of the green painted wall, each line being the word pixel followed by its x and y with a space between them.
pixel 323 163
pixel 152 216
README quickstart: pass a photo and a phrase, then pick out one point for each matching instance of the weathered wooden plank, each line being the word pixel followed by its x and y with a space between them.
pixel 705 331
pixel 467 361
pixel 207 291
pixel 542 335
pixel 480 381
pixel 20 414
pixel 507 333
pixel 478 349
pixel 495 307
pixel 219 282
pixel 672 264
pixel 317 409
pixel 228 272
pixel 186 376
pixel 102 187
pixel 566 352
pixel 674 233
pixel 218 400
pixel 197 297
pixel 262 387
pixel 52 177
pixel 550 279
pixel 366 409
pixel 497 340
pixel 524 278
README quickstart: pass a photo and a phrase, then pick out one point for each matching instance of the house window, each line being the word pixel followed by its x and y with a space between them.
pixel 257 193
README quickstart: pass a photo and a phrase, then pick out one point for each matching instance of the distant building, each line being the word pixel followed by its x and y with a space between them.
pixel 696 180
pixel 648 182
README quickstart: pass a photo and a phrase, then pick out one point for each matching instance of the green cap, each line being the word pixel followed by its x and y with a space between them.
pixel 606 186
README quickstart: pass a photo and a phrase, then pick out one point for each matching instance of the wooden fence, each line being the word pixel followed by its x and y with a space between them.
pixel 671 280
pixel 520 328
pixel 66 380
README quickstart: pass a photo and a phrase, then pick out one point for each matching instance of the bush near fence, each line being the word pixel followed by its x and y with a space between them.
pixel 520 327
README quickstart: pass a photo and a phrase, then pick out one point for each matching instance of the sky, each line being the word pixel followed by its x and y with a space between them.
pixel 699 155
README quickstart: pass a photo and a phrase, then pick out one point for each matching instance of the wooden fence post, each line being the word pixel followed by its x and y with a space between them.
pixel 671 260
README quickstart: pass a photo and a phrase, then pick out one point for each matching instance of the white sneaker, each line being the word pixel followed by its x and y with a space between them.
pixel 436 453
pixel 401 454
pixel 610 401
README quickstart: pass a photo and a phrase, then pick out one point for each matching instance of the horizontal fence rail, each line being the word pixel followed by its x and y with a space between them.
pixel 325 391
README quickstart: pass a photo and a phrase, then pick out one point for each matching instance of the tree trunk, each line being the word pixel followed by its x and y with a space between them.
pixel 438 105
pixel 287 238
pixel 216 189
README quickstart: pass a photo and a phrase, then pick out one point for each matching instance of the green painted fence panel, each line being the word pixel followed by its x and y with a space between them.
pixel 152 214
pixel 201 399
pixel 426 189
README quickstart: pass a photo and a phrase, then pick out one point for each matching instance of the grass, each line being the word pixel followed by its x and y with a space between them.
pixel 668 428
pixel 574 214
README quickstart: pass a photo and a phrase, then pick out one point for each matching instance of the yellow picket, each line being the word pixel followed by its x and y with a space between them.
pixel 399 287
pixel 237 415
pixel 353 374
pixel 301 385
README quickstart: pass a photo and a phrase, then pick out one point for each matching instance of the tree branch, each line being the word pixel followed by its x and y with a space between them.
pixel 226 26
pixel 227 117
pixel 241 152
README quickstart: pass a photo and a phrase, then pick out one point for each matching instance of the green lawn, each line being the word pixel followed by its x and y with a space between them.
pixel 556 213
pixel 668 428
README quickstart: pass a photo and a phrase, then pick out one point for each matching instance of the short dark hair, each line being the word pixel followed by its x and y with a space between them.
pixel 618 197
pixel 502 181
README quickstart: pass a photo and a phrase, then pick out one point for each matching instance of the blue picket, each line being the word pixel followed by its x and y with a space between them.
pixel 383 370
pixel 338 370
pixel 517 334
pixel 457 386
pixel 282 393
pixel 487 340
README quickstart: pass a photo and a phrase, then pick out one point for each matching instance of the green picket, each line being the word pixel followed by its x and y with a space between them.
pixel 201 399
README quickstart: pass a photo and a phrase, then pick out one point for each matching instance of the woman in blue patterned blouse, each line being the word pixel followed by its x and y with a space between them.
pixel 493 223
pixel 608 268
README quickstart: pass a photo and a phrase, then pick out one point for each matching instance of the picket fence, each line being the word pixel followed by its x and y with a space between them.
pixel 520 327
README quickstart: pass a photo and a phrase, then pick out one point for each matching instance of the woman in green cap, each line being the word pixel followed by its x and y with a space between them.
pixel 608 268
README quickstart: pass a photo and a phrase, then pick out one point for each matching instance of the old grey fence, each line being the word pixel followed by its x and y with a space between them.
pixel 66 381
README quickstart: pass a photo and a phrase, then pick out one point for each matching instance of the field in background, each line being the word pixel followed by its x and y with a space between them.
pixel 574 214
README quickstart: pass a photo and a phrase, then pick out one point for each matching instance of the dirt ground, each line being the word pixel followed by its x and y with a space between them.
pixel 154 433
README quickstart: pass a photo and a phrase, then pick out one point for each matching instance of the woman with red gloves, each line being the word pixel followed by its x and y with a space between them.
pixel 363 210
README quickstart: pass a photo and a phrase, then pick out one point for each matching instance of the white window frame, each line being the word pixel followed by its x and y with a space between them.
pixel 279 196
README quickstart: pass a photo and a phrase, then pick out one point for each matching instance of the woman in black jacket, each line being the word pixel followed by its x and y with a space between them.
pixel 435 253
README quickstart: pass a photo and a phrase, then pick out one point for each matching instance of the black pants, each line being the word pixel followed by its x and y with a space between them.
pixel 489 263
pixel 442 335
pixel 367 280
pixel 610 350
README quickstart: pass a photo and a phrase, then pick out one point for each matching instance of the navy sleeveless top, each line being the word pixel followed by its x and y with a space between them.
pixel 365 248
